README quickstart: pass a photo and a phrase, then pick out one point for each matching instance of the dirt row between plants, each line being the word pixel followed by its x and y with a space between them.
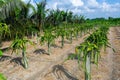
pixel 39 63
pixel 116 55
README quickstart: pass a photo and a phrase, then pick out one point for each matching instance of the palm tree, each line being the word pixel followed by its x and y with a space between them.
pixel 18 17
pixel 4 29
pixel 8 7
pixel 54 17
pixel 8 11
pixel 23 19
pixel 39 15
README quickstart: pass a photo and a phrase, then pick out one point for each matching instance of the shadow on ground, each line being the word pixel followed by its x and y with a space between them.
pixel 40 51
pixel 65 42
pixel 4 58
pixel 17 61
pixel 61 73
pixel 55 46
pixel 5 49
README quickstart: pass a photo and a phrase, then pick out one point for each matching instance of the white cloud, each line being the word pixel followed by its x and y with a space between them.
pixel 110 7
pixel 105 6
pixel 77 3
pixel 88 9
pixel 76 10
pixel 93 3
pixel 55 5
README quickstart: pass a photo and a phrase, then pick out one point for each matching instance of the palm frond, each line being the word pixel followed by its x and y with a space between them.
pixel 9 7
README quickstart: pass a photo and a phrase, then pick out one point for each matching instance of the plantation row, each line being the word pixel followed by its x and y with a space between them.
pixel 89 51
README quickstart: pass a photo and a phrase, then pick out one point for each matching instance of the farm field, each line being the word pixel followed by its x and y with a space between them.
pixel 40 43
pixel 45 67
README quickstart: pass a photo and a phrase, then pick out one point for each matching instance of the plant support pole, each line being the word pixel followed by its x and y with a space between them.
pixel 88 67
pixel 49 47
pixel 71 38
pixel 62 41
pixel 25 62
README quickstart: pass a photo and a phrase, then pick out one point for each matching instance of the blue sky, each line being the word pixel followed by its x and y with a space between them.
pixel 88 8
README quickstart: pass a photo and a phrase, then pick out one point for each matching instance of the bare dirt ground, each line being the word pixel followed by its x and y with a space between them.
pixel 53 67
pixel 116 55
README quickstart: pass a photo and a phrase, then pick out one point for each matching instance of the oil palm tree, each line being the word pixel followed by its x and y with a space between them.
pixel 8 11
pixel 23 19
pixel 39 15
pixel 17 16
pixel 4 30
pixel 54 18
pixel 8 7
